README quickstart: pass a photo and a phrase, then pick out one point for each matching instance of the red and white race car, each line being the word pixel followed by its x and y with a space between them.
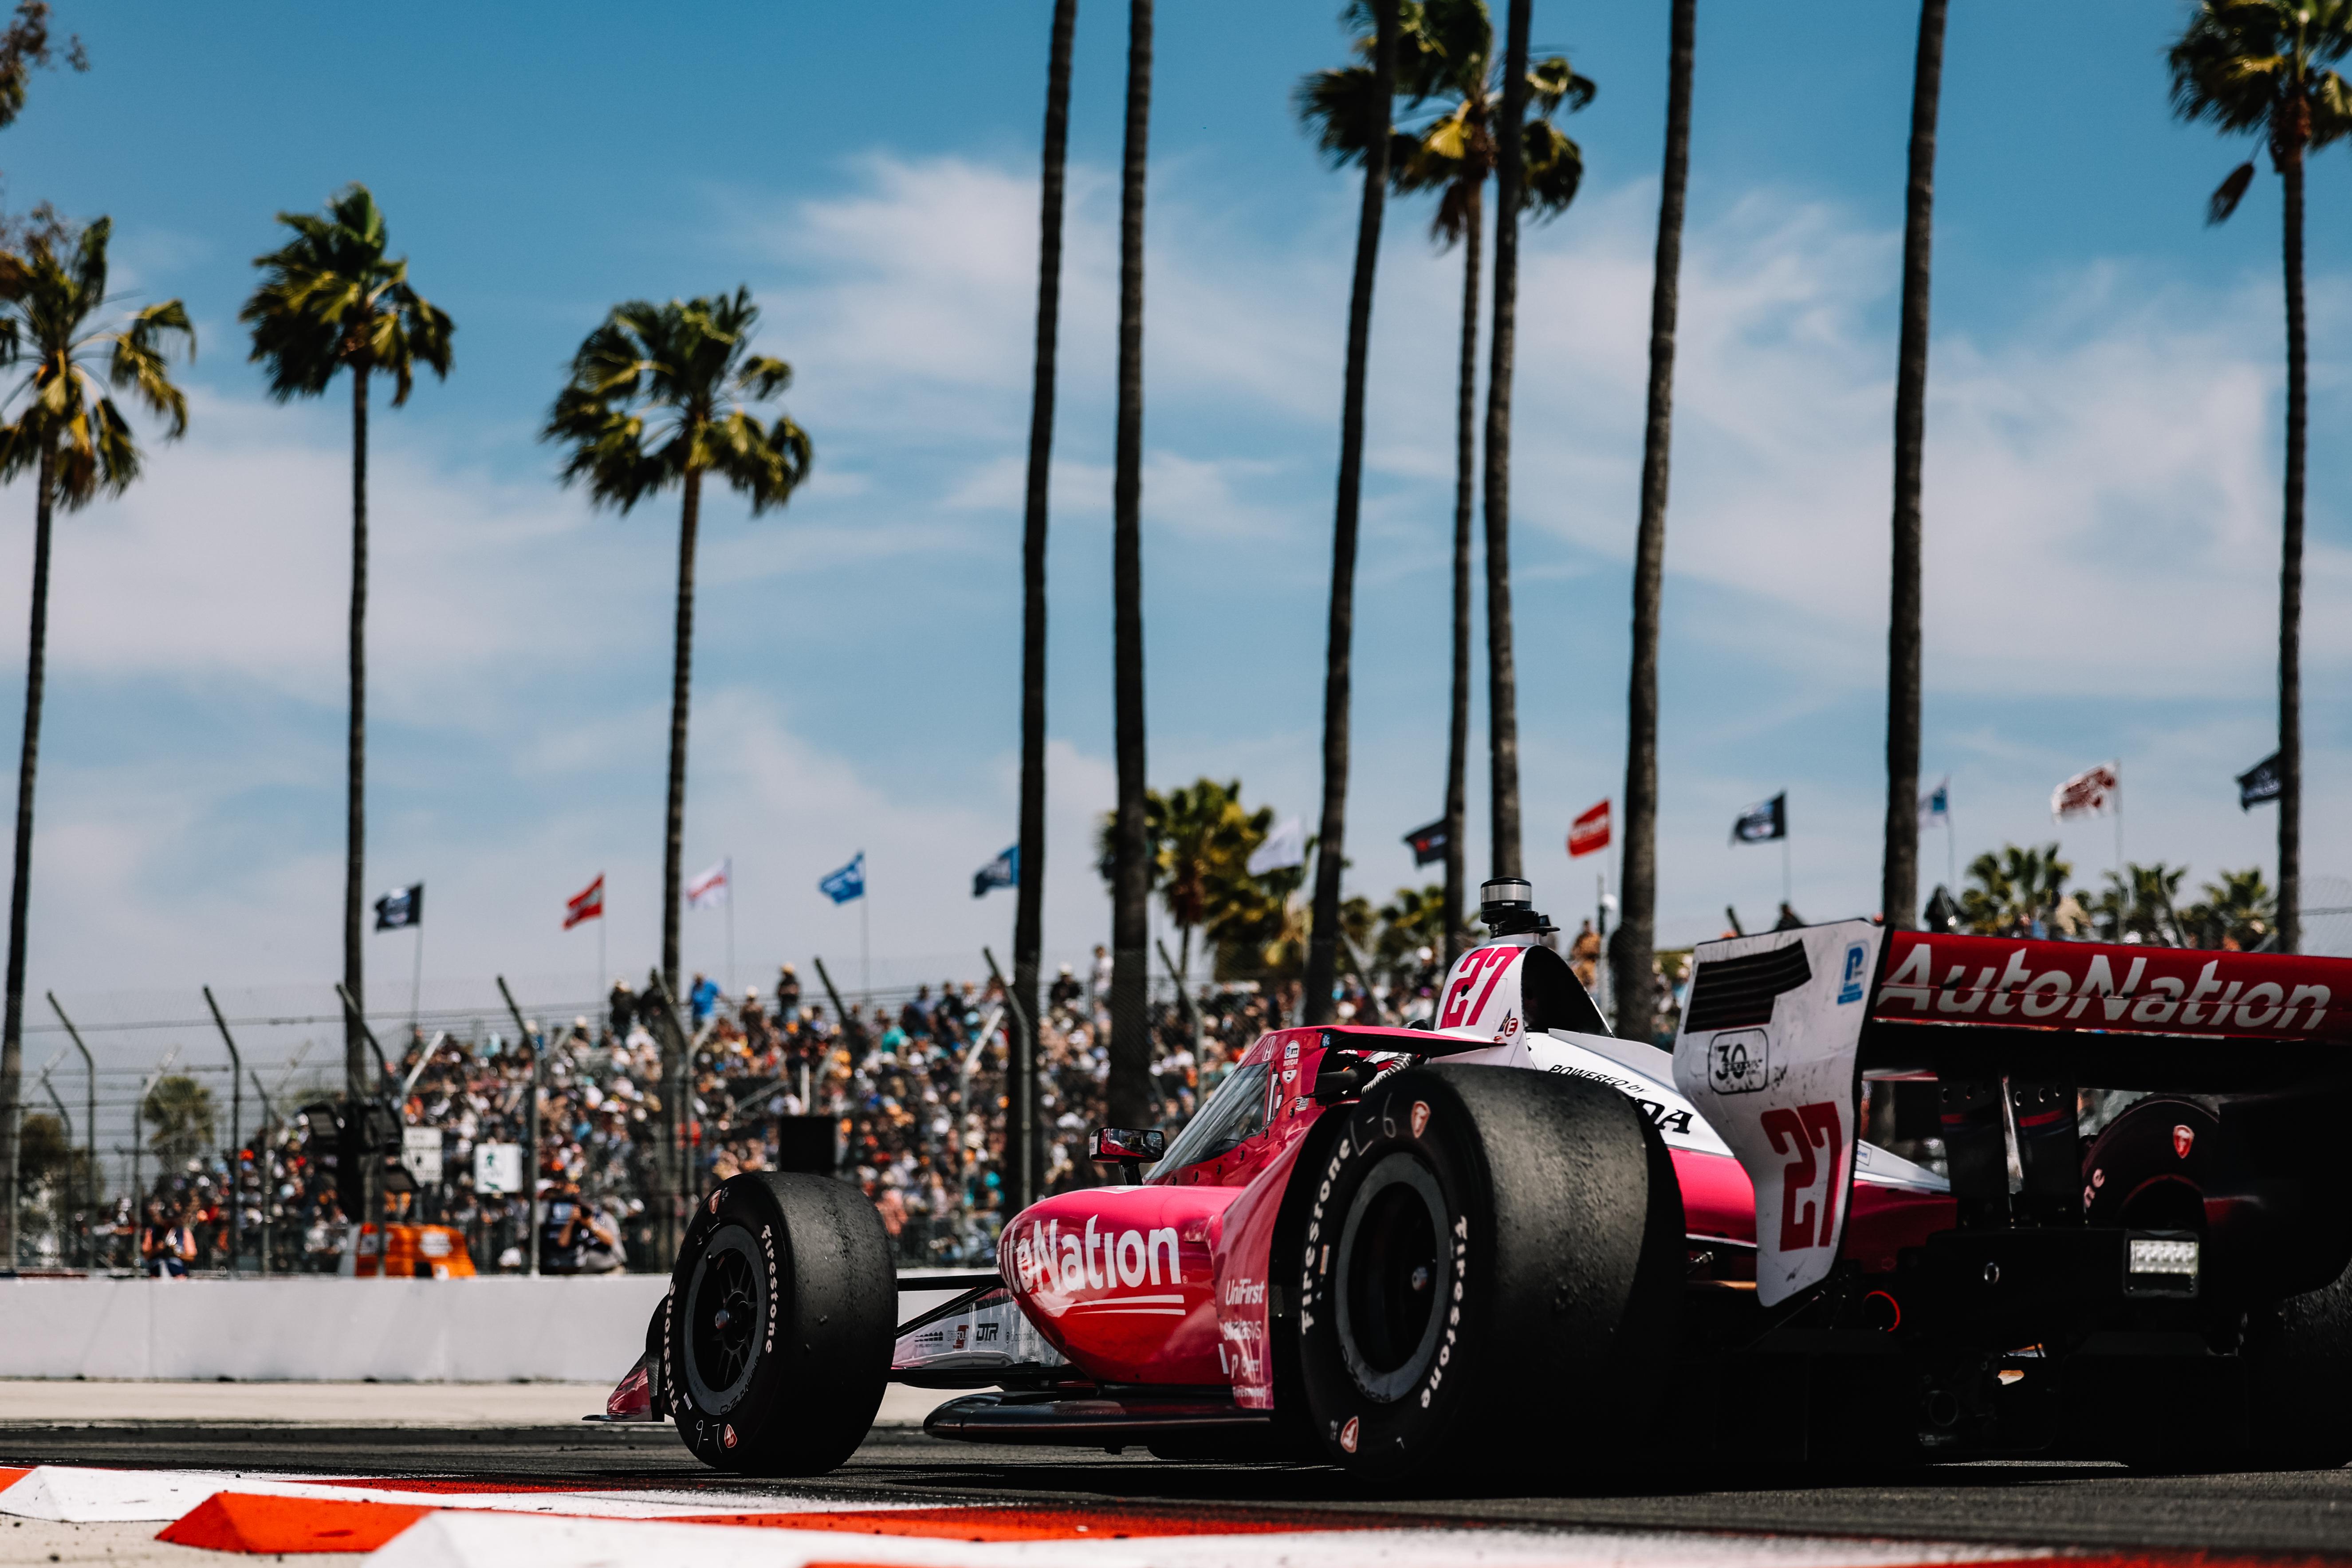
pixel 1514 1236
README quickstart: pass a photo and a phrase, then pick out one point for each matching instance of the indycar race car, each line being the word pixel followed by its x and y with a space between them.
pixel 1511 1236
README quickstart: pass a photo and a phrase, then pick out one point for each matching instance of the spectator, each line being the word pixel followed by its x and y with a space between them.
pixel 621 1009
pixel 702 999
pixel 167 1246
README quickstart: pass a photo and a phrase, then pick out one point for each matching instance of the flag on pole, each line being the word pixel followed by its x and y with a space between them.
pixel 1428 843
pixel 847 883
pixel 2258 782
pixel 1936 806
pixel 1284 847
pixel 401 908
pixel 2087 794
pixel 709 890
pixel 1003 872
pixel 1763 822
pixel 587 904
pixel 1589 832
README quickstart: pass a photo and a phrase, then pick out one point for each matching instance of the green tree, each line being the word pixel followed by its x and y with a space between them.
pixel 1372 133
pixel 1899 878
pixel 1412 919
pixel 2139 905
pixel 180 1109
pixel 2010 890
pixel 1502 672
pixel 1021 1157
pixel 2239 913
pixel 1130 1094
pixel 330 299
pixel 1632 963
pixel 660 396
pixel 67 432
pixel 2260 67
pixel 1448 56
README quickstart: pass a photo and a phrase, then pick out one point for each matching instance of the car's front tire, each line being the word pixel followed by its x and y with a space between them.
pixel 1488 1273
pixel 778 1327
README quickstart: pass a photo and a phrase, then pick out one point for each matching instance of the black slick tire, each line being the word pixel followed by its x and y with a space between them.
pixel 2299 1380
pixel 1488 1275
pixel 777 1331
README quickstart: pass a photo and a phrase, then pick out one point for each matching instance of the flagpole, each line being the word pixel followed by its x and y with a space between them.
pixel 730 875
pixel 416 979
pixel 2119 820
pixel 1786 896
pixel 597 989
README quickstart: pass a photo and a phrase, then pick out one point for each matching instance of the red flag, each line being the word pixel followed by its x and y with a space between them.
pixel 588 904
pixel 1589 832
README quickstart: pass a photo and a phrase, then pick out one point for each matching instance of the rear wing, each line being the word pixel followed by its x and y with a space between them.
pixel 1998 982
pixel 1778 1030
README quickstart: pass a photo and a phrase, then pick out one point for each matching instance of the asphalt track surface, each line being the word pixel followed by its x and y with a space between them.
pixel 2064 1504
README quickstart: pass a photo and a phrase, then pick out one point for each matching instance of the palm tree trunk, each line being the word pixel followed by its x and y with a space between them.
pixel 1021 1151
pixel 681 681
pixel 12 1036
pixel 2290 828
pixel 1465 479
pixel 1130 1050
pixel 1635 940
pixel 1899 886
pixel 355 1062
pixel 1502 675
pixel 1330 860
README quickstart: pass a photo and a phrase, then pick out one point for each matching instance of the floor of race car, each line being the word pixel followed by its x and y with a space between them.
pixel 104 1488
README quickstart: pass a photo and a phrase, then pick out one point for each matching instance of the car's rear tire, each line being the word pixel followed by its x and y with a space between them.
pixel 2299 1378
pixel 1488 1274
pixel 776 1342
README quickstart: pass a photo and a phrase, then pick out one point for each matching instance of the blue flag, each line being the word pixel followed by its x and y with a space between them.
pixel 847 883
pixel 1936 806
pixel 1002 872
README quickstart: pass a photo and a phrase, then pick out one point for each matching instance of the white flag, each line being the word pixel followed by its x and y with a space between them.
pixel 1284 847
pixel 709 890
pixel 2087 794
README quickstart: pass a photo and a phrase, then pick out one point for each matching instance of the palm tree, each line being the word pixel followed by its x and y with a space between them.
pixel 1021 1154
pixel 1502 675
pixel 73 438
pixel 330 299
pixel 1636 934
pixel 661 396
pixel 1371 113
pixel 1451 53
pixel 2261 66
pixel 1129 1093
pixel 2014 889
pixel 1899 888
pixel 2238 912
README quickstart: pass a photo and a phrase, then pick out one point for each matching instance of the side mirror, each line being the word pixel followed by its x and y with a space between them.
pixel 1128 1149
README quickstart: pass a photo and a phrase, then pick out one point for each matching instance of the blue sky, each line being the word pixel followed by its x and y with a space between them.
pixel 2101 483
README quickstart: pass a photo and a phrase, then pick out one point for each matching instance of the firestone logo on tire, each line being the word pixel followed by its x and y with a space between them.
pixel 1350 1434
pixel 1420 1116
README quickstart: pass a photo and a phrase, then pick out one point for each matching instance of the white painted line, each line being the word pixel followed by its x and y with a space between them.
pixel 72 1494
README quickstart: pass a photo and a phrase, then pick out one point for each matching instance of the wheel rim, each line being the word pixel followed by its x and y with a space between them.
pixel 726 1314
pixel 1394 1271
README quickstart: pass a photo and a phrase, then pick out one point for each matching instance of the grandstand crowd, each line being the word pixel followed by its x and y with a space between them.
pixel 914 1087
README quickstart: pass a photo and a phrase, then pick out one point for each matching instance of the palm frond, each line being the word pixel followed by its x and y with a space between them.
pixel 658 391
pixel 2229 194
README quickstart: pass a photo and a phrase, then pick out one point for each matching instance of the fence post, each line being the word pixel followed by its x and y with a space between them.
pixel 269 1192
pixel 90 1136
pixel 530 1124
pixel 236 1115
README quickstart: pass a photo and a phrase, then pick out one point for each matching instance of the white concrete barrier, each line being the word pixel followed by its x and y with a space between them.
pixel 317 1328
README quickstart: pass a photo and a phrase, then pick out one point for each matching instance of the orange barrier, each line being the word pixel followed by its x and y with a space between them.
pixel 415 1252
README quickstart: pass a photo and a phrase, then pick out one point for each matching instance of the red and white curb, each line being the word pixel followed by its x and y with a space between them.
pixel 417 1522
